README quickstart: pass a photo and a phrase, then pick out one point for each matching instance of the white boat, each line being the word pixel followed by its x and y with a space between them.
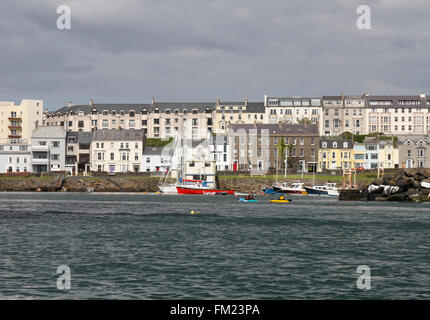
pixel 332 190
pixel 168 188
pixel 295 188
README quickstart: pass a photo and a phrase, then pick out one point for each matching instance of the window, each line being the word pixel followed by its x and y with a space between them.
pixel 80 124
pixel 131 123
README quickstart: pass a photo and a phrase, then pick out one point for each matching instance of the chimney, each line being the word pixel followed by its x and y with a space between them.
pixel 246 101
pixel 423 95
pixel 217 100
pixel 265 99
pixel 70 104
pixel 153 101
pixel 91 102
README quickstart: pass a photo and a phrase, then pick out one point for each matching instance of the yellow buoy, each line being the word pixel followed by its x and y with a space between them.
pixel 193 212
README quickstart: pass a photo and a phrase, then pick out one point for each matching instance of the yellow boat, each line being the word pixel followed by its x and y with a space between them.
pixel 280 201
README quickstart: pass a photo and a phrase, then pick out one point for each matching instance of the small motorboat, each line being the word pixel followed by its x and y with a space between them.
pixel 247 200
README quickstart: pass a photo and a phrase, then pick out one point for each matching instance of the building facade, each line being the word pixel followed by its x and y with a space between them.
pixel 78 155
pixel 335 154
pixel 259 148
pixel 157 159
pixel 15 158
pixel 343 114
pixel 19 121
pixel 414 151
pixel 114 150
pixel 48 147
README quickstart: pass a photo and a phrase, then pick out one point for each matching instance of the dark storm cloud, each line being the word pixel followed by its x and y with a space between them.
pixel 130 51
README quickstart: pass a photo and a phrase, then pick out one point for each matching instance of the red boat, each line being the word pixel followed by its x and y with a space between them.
pixel 199 187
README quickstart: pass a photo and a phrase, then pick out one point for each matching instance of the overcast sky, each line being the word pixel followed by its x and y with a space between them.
pixel 198 50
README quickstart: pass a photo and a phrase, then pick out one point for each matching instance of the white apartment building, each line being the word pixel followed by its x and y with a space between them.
pixel 17 122
pixel 157 120
pixel 293 110
pixel 115 150
pixel 15 158
pixel 48 148
pixel 398 115
pixel 228 113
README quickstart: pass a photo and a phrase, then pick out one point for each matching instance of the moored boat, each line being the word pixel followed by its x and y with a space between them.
pixel 317 190
pixel 168 188
pixel 295 188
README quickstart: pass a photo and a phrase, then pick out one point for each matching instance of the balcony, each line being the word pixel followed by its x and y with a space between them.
pixel 40 161
pixel 15 119
pixel 15 126
pixel 14 136
pixel 40 148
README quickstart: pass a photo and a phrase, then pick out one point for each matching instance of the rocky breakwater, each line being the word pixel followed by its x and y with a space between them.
pixel 107 184
pixel 402 187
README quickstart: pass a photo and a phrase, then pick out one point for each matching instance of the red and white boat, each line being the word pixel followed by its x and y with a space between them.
pixel 199 187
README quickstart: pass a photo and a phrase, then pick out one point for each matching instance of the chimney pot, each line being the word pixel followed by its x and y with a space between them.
pixel 91 102
pixel 153 101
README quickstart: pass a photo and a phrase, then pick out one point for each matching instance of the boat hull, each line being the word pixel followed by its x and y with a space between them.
pixel 280 201
pixel 168 189
pixel 191 190
pixel 316 191
pixel 245 200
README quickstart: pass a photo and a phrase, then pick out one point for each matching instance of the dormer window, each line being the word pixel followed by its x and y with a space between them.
pixel 144 111
pixel 105 112
pixel 113 112
pixel 324 144
pixel 122 112
pixel 167 111
pixel 94 111
pixel 345 145
pixel 132 113
pixel 195 111
pixel 80 113
pixel 156 110
pixel 334 144
pixel 184 111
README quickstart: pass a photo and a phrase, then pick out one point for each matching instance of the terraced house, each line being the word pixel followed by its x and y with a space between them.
pixel 157 120
pixel 398 115
pixel 343 114
pixel 414 151
pixel 335 154
pixel 262 147
pixel 114 150
pixel 295 110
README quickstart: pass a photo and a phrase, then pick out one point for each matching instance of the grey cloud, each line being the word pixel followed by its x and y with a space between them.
pixel 130 51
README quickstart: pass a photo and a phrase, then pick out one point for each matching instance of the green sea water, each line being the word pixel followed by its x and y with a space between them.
pixel 135 246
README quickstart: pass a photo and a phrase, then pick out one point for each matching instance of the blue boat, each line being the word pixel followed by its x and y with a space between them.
pixel 247 200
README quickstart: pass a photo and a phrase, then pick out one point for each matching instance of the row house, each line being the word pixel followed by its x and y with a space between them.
pixel 227 113
pixel 78 155
pixel 414 151
pixel 295 110
pixel 157 159
pixel 343 113
pixel 335 154
pixel 157 120
pixel 398 115
pixel 380 154
pixel 117 150
pixel 261 147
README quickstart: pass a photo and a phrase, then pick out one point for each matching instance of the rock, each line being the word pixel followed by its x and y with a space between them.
pixel 63 189
pixel 397 197
pixel 425 183
pixel 378 182
pixel 381 199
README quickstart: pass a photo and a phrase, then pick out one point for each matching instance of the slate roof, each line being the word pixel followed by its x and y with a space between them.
pixel 283 129
pixel 137 107
pixel 339 143
pixel 118 135
pixel 396 100
pixel 82 137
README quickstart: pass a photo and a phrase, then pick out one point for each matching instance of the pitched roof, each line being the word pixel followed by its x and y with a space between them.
pixel 118 135
pixel 283 129
pixel 82 137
